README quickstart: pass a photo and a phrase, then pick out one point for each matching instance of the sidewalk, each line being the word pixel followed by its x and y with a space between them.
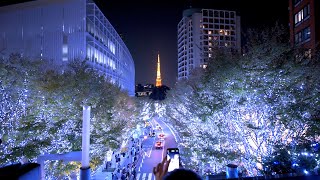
pixel 118 167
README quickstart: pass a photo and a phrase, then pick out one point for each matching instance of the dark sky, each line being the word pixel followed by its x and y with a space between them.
pixel 149 26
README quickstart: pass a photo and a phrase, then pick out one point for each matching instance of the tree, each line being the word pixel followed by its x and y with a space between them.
pixel 41 112
pixel 159 93
pixel 239 107
pixel 297 157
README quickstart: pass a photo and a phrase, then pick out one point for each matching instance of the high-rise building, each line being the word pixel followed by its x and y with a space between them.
pixel 304 18
pixel 202 30
pixel 63 30
pixel 158 79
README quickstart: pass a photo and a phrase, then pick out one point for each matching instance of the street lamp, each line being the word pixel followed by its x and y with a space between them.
pixel 85 161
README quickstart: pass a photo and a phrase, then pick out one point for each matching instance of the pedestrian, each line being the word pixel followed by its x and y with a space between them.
pixel 118 174
pixel 134 173
pixel 123 177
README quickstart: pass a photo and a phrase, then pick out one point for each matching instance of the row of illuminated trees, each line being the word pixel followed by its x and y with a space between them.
pixel 41 112
pixel 259 110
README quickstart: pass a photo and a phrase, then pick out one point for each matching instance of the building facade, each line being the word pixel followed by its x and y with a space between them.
pixel 202 30
pixel 142 91
pixel 64 30
pixel 304 19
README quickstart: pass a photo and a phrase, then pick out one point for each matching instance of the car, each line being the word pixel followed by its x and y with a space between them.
pixel 159 144
pixel 158 127
pixel 161 136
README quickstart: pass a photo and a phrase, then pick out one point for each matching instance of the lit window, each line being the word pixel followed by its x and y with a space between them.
pixel 303 35
pixel 64 49
pixel 302 14
pixel 209 32
pixel 306 34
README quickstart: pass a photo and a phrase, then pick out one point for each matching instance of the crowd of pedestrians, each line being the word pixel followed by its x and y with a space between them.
pixel 126 162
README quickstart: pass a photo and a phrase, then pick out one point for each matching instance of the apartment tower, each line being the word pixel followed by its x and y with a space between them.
pixel 200 31
pixel 304 18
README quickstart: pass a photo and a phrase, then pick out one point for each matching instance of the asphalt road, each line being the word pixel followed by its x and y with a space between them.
pixel 153 156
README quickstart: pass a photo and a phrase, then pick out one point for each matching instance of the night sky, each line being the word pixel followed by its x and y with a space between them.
pixel 149 26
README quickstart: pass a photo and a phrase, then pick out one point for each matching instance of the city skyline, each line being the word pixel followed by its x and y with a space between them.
pixel 81 82
pixel 149 27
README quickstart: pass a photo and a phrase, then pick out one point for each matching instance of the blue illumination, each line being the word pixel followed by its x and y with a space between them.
pixel 65 39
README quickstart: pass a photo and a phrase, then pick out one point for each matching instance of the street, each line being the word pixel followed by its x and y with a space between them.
pixel 153 156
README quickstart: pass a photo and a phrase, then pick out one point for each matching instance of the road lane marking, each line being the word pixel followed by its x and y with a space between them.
pixel 144 176
pixel 163 150
pixel 171 131
pixel 150 176
pixel 153 143
pixel 141 164
pixel 138 176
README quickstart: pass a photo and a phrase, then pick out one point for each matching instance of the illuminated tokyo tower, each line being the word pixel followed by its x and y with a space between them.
pixel 158 80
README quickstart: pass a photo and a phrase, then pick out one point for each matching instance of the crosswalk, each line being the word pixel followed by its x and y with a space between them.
pixel 145 176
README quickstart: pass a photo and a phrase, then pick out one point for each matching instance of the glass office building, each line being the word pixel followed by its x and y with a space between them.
pixel 64 30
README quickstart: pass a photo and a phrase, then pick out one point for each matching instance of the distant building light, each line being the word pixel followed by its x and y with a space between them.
pixel 64 49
